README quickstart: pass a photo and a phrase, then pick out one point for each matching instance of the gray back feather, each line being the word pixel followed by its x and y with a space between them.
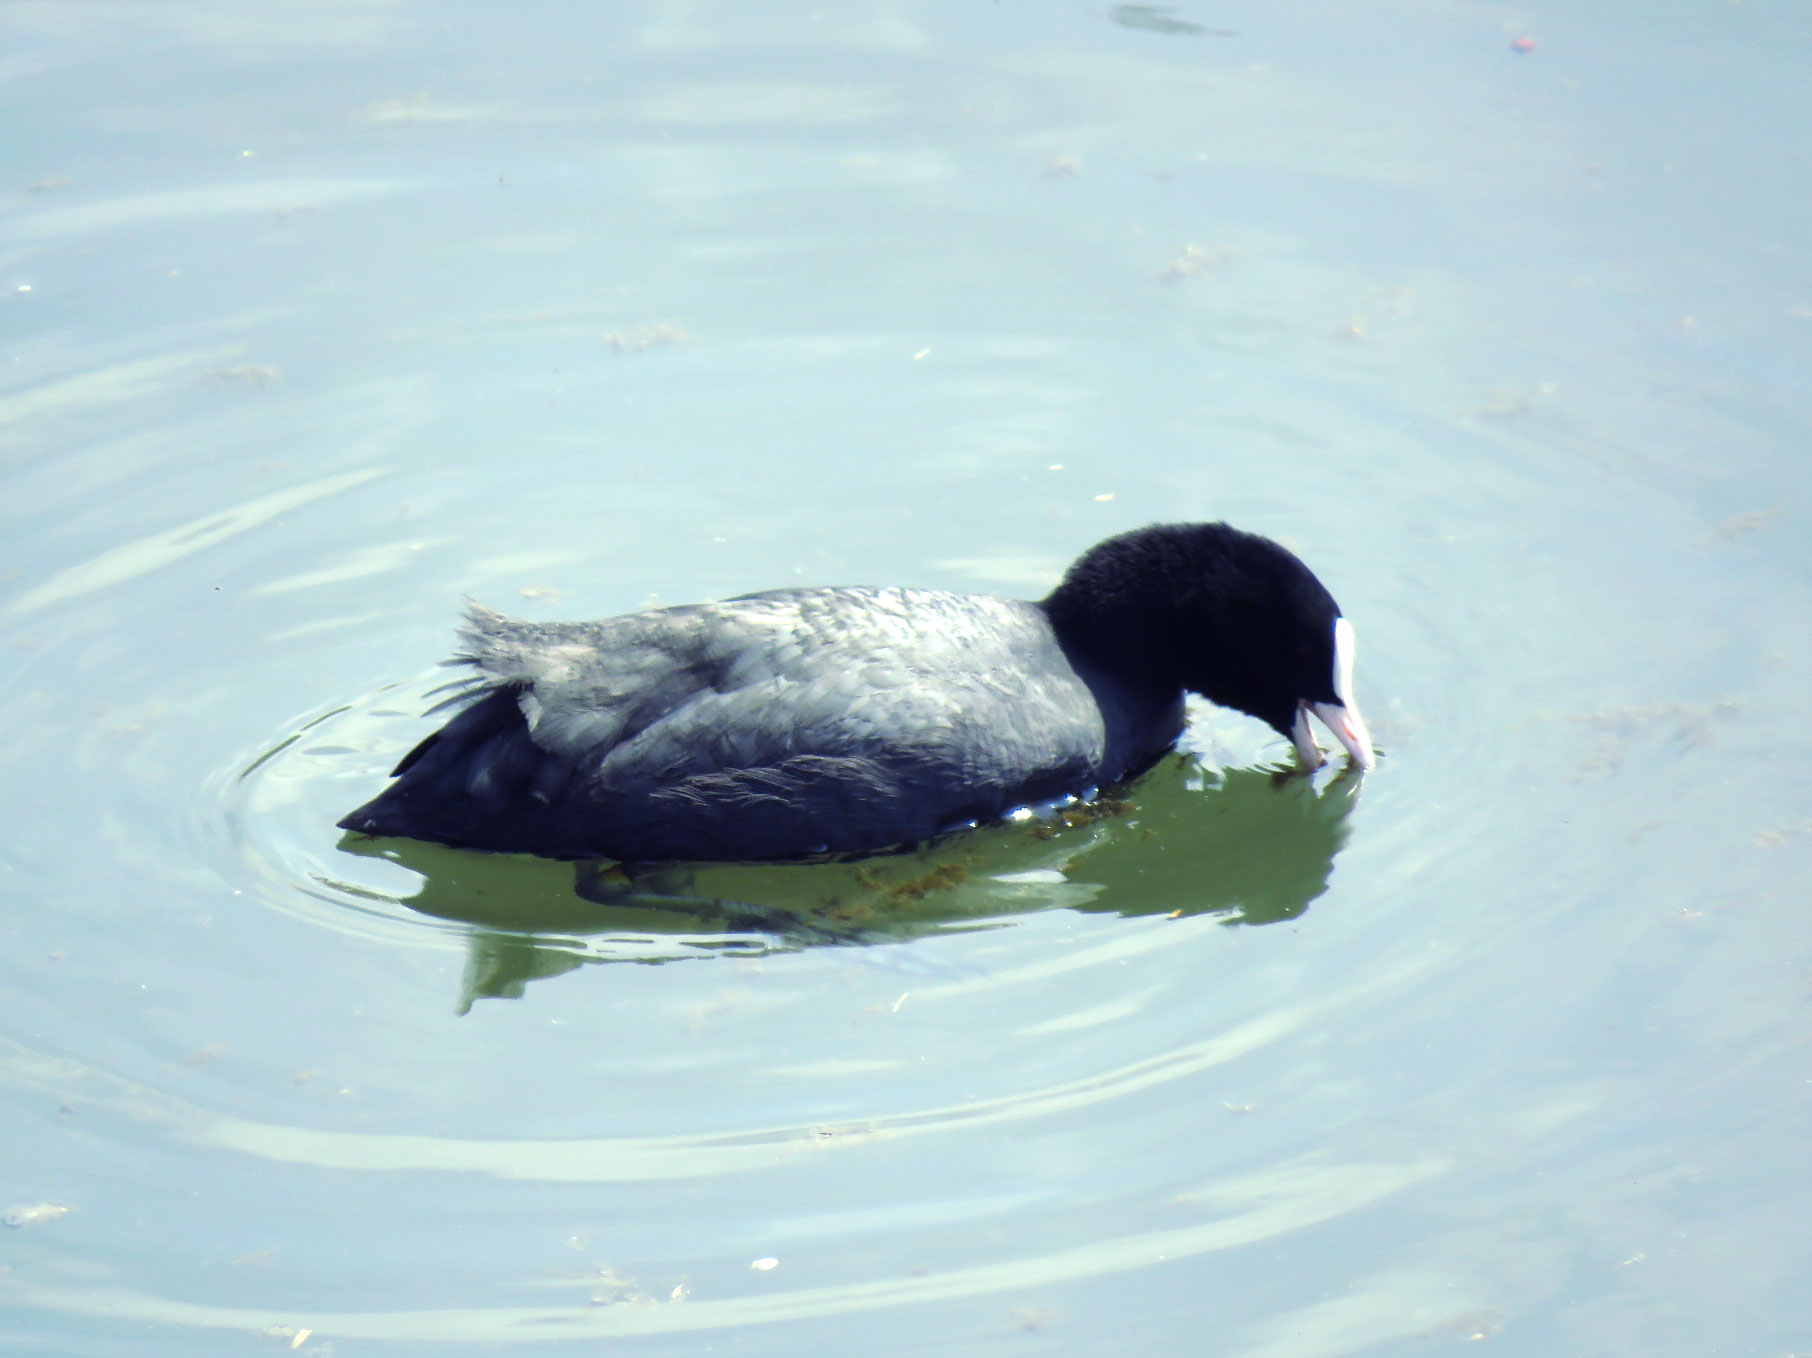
pixel 752 681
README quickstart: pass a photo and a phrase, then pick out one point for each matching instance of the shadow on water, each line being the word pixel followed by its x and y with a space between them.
pixel 1253 845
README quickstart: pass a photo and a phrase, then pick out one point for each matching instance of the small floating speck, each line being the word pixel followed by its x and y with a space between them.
pixel 259 375
pixel 923 353
pixel 639 339
pixel 1105 499
pixel 1193 261
pixel 764 1264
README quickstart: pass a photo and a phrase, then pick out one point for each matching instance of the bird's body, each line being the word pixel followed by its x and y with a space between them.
pixel 800 722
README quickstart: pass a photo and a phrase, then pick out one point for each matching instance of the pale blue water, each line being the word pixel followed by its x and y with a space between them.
pixel 317 317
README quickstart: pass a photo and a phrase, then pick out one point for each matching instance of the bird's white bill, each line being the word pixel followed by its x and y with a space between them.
pixel 1346 724
pixel 1306 748
pixel 1348 728
pixel 1342 717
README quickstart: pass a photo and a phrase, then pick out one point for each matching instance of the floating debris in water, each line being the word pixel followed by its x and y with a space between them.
pixel 1738 525
pixel 854 1130
pixel 1193 261
pixel 255 375
pixel 765 1264
pixel 1031 1319
pixel 1510 405
pixel 1081 814
pixel 1163 19
pixel 613 1289
pixel 639 339
pixel 35 1215
pixel 1773 839
pixel 1475 1326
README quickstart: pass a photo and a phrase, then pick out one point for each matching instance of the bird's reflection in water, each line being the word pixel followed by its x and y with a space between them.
pixel 1253 845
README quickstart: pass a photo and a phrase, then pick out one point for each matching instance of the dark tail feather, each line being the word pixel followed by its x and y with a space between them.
pixel 479 782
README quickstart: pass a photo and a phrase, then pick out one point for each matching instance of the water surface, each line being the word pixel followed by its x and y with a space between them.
pixel 319 317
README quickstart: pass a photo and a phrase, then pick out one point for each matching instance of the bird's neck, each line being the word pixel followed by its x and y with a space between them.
pixel 1134 637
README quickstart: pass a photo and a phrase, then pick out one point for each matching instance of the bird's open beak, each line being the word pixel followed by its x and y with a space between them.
pixel 1346 724
pixel 1342 716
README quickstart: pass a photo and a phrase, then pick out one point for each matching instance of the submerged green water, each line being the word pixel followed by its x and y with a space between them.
pixel 318 317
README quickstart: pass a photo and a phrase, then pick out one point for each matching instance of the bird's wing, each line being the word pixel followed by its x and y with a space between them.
pixel 891 676
pixel 586 687
pixel 649 698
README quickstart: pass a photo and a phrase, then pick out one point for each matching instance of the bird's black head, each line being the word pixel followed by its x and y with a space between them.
pixel 1229 615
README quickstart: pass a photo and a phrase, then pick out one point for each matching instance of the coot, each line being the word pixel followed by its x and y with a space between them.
pixel 801 722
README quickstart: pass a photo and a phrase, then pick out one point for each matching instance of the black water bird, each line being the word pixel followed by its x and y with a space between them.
pixel 801 722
